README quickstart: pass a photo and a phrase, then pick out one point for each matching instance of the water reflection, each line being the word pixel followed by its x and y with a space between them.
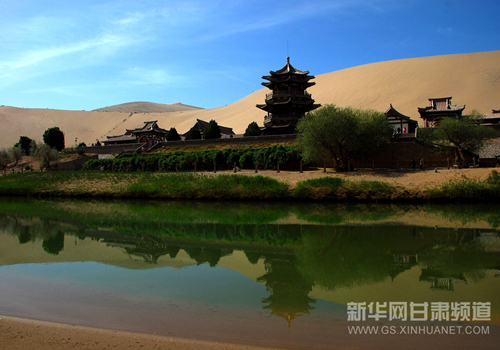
pixel 308 252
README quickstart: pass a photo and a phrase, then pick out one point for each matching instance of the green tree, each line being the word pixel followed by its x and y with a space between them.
pixel 15 153
pixel 465 134
pixel 252 130
pixel 340 134
pixel 212 131
pixel 54 138
pixel 45 155
pixel 173 135
pixel 4 159
pixel 25 144
pixel 193 134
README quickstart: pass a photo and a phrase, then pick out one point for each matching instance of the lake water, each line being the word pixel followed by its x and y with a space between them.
pixel 296 275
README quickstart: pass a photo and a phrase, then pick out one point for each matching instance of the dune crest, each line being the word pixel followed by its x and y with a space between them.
pixel 472 79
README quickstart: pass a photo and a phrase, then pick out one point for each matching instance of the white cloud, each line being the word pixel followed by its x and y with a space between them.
pixel 147 76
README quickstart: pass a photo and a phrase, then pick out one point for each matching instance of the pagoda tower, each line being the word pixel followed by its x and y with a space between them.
pixel 289 100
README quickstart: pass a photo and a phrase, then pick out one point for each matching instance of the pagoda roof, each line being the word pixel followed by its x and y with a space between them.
pixel 149 126
pixel 202 125
pixel 289 69
pixel 393 112
pixel 271 103
pixel 289 79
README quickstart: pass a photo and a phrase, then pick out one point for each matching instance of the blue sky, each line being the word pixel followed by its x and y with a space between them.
pixel 83 55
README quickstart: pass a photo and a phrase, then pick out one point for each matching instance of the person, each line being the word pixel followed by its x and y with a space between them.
pixel 421 162
pixel 413 163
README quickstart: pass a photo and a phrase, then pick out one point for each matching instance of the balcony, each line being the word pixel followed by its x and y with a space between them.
pixel 286 94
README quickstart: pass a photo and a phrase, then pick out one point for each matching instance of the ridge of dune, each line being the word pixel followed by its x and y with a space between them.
pixel 147 107
pixel 472 79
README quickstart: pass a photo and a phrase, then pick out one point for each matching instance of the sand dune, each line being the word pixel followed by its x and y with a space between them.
pixel 147 107
pixel 472 79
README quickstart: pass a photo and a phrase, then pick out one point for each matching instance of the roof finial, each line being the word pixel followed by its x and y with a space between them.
pixel 288 60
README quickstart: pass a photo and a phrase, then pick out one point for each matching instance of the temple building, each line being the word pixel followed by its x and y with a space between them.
pixel 402 124
pixel 492 119
pixel 201 125
pixel 439 108
pixel 288 101
pixel 149 133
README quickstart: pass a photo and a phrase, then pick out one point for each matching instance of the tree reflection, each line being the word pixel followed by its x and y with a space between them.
pixel 54 244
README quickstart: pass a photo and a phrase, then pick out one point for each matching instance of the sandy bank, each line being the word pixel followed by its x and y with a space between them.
pixel 17 333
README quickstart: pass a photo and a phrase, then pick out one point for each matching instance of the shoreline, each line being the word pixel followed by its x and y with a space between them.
pixel 29 334
pixel 362 185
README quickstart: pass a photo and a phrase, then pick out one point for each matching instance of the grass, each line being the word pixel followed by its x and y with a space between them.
pixel 468 189
pixel 232 187
pixel 340 189
pixel 142 185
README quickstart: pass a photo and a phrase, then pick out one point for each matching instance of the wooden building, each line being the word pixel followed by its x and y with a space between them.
pixel 149 133
pixel 402 124
pixel 492 119
pixel 201 125
pixel 439 108
pixel 288 101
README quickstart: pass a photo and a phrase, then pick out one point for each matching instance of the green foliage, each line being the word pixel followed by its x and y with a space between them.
pixel 267 158
pixel 173 135
pixel 54 138
pixel 340 134
pixel 25 144
pixel 493 178
pixel 45 155
pixel 4 158
pixel 212 131
pixel 462 135
pixel 193 134
pixel 15 154
pixel 252 130
pixel 340 189
pixel 81 145
pixel 472 190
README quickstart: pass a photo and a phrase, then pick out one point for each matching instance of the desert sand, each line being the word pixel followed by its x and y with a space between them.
pixel 471 79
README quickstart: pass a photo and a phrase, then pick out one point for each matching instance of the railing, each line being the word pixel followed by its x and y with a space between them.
pixel 277 94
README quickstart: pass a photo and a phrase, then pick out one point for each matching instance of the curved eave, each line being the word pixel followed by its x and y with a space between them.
pixel 272 105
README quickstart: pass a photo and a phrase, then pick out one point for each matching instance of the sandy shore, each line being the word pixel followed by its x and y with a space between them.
pixel 23 334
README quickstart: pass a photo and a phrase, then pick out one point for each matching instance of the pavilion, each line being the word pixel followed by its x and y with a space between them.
pixel 289 100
